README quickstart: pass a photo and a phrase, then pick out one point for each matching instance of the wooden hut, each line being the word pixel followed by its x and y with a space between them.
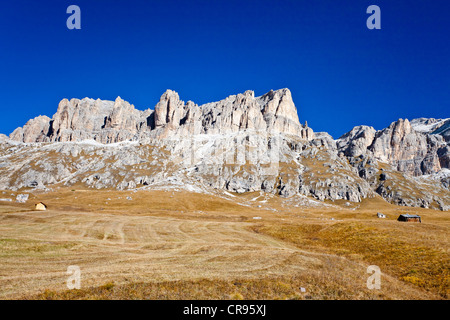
pixel 409 218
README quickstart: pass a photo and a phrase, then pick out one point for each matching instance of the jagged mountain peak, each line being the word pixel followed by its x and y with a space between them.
pixel 114 121
pixel 433 126
pixel 416 152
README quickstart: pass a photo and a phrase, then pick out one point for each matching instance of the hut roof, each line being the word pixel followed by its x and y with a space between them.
pixel 410 215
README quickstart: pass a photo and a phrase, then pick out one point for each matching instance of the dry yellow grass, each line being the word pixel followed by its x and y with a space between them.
pixel 181 245
pixel 417 260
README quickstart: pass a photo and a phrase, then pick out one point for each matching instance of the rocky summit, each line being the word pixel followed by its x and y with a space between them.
pixel 240 144
pixel 110 122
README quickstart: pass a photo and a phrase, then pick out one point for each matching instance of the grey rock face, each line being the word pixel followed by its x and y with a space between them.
pixel 111 122
pixel 443 130
pixel 443 154
pixel 408 150
pixel 102 121
pixel 356 142
pixel 433 126
pixel 412 148
pixel 400 145
pixel 35 130
pixel 169 110
pixel 273 112
pixel 86 119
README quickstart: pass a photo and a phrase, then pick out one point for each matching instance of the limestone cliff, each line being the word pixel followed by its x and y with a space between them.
pixel 111 122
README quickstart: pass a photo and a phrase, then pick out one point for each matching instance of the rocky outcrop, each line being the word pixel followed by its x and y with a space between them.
pixel 356 142
pixel 35 130
pixel 169 111
pixel 273 112
pixel 86 119
pixel 111 122
pixel 102 121
pixel 444 156
pixel 407 149
pixel 433 126
pixel 444 130
pixel 280 114
pixel 400 145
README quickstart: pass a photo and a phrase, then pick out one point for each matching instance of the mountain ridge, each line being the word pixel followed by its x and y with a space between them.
pixel 240 144
pixel 109 122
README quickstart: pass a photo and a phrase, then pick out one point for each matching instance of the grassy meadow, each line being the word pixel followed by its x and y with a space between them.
pixel 183 245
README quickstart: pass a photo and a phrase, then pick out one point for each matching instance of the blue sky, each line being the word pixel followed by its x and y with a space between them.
pixel 341 74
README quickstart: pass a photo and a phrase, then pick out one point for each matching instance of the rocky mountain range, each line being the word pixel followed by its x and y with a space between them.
pixel 240 144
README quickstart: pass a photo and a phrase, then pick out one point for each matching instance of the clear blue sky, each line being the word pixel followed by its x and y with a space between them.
pixel 340 73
